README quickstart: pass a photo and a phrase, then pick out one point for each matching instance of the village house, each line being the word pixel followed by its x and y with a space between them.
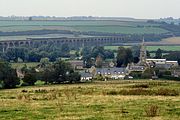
pixel 161 63
pixel 86 76
pixel 77 64
pixel 145 63
pixel 112 73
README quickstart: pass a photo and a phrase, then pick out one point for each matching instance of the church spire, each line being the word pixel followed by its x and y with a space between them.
pixel 143 39
pixel 143 53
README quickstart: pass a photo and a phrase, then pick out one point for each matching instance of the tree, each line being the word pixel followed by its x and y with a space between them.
pixel 135 53
pixel 173 56
pixel 60 72
pixel 86 53
pixel 99 61
pixel 15 53
pixel 65 48
pixel 30 76
pixel 158 54
pixel 29 79
pixel 148 73
pixel 124 56
pixel 8 75
pixel 44 62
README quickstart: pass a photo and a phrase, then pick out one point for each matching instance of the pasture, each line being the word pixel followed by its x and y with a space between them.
pixel 126 27
pixel 111 100
pixel 149 48
pixel 21 65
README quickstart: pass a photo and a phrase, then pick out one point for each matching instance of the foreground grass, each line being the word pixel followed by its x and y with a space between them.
pixel 91 101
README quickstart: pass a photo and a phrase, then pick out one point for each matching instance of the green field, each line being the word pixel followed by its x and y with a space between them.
pixel 167 48
pixel 126 27
pixel 149 48
pixel 113 100
pixel 20 65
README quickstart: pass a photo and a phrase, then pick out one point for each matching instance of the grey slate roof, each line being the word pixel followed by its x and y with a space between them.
pixel 86 74
pixel 110 70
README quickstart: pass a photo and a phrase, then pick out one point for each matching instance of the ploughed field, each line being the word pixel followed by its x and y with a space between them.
pixel 123 27
pixel 112 100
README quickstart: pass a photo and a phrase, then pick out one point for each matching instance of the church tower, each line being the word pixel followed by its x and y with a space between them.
pixel 143 53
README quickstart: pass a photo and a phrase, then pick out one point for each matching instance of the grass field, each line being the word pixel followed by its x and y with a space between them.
pixel 20 65
pixel 126 27
pixel 149 48
pixel 113 100
pixel 167 48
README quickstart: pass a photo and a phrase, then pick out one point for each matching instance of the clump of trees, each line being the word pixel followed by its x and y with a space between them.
pixel 90 54
pixel 30 76
pixel 60 72
pixel 51 73
pixel 124 56
pixel 36 52
pixel 8 76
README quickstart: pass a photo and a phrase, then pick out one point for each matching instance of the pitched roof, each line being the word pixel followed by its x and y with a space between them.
pixel 110 70
pixel 85 74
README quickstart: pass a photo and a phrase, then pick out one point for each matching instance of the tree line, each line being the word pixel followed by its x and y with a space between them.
pixel 51 73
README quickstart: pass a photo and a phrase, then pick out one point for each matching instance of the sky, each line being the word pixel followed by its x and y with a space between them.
pixel 107 8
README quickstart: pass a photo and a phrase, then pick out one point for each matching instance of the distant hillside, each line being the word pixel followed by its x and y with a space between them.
pixel 150 29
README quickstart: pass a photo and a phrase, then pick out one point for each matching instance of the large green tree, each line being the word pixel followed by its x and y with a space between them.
pixel 8 75
pixel 60 72
pixel 158 54
pixel 124 56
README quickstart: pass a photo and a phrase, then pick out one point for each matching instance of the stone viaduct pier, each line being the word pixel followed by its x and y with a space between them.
pixel 72 42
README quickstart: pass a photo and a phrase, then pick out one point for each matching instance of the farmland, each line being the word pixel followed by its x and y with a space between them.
pixel 93 101
pixel 21 65
pixel 124 27
pixel 149 48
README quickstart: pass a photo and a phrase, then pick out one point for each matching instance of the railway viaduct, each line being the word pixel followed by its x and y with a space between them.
pixel 73 42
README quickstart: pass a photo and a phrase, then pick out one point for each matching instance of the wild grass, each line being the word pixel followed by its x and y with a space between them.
pixel 116 100
pixel 151 110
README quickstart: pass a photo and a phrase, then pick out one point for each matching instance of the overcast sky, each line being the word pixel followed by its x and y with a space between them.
pixel 119 8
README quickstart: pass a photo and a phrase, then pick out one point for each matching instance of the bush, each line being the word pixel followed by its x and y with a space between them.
pixel 29 79
pixel 8 76
pixel 141 91
pixel 136 75
pixel 167 92
pixel 151 110
pixel 140 86
pixel 99 78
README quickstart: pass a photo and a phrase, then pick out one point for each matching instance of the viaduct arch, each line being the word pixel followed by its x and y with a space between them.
pixel 73 42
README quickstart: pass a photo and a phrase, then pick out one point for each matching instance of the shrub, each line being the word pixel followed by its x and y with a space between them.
pixel 140 86
pixel 25 97
pixel 41 91
pixel 151 110
pixel 141 91
pixel 136 75
pixel 112 93
pixel 8 76
pixel 167 92
pixel 29 79
pixel 99 78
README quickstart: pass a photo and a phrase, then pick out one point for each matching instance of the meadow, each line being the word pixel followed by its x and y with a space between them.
pixel 110 100
pixel 126 27
pixel 149 48
pixel 21 65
